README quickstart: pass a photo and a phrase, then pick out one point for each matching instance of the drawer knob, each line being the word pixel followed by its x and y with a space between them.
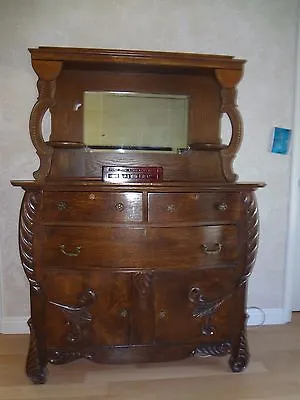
pixel 92 196
pixel 211 249
pixel 171 208
pixel 62 205
pixel 221 206
pixel 124 313
pixel 163 314
pixel 74 253
pixel 119 207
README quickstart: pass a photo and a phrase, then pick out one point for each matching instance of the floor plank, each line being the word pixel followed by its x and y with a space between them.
pixel 273 374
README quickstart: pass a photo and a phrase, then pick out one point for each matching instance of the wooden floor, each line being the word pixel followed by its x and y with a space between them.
pixel 273 373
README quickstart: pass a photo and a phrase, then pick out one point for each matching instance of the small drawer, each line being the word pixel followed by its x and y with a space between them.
pixel 92 207
pixel 192 207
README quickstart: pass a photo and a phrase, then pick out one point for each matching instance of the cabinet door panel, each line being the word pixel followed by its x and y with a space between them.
pixel 176 300
pixel 87 308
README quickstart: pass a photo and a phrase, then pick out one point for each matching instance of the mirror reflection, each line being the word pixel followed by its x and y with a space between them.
pixel 135 121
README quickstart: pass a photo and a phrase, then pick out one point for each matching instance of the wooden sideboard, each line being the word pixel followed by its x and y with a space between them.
pixel 136 271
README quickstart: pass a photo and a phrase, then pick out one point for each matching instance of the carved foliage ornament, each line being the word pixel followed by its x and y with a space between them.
pixel 78 316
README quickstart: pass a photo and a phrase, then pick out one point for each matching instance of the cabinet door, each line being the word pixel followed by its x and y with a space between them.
pixel 87 308
pixel 179 296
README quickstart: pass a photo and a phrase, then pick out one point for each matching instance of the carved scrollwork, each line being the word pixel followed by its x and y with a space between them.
pixel 212 349
pixel 28 214
pixel 78 316
pixel 229 107
pixel 64 356
pixel 44 102
pixel 142 282
pixel 204 307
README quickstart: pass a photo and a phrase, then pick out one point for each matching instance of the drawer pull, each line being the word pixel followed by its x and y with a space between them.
pixel 171 208
pixel 124 313
pixel 92 196
pixel 62 205
pixel 163 314
pixel 119 207
pixel 211 249
pixel 74 253
pixel 221 206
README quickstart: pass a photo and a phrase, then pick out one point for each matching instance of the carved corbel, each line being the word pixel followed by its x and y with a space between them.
pixel 47 72
pixel 228 80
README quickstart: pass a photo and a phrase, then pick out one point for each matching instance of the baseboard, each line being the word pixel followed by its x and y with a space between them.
pixel 257 317
pixel 14 325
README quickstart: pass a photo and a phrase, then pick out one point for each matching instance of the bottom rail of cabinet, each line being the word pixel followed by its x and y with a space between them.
pixel 239 356
pixel 137 353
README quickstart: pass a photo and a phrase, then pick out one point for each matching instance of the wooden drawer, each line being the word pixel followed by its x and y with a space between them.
pixel 92 206
pixel 140 247
pixel 191 207
pixel 183 294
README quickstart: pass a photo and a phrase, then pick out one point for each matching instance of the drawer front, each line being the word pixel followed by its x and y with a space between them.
pixel 191 207
pixel 92 207
pixel 140 247
pixel 184 305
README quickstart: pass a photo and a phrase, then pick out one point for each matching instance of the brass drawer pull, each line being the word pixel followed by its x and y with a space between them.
pixel 163 314
pixel 62 205
pixel 124 313
pixel 221 206
pixel 119 207
pixel 171 208
pixel 92 196
pixel 74 253
pixel 211 249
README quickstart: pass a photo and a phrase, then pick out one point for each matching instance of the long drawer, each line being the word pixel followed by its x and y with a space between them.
pixel 139 247
pixel 190 207
pixel 92 207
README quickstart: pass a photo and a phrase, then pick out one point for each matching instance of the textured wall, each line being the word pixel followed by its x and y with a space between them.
pixel 261 31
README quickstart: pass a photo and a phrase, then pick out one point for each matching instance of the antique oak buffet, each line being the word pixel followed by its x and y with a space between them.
pixel 137 250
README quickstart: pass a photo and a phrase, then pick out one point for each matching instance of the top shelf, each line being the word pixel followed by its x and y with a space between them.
pixel 136 57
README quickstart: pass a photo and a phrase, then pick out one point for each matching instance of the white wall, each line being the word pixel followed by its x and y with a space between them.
pixel 261 31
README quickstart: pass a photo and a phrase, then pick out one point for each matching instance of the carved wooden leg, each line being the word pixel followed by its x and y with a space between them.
pixel 36 360
pixel 240 353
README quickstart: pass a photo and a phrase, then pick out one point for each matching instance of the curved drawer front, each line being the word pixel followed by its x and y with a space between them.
pixel 92 206
pixel 191 207
pixel 181 247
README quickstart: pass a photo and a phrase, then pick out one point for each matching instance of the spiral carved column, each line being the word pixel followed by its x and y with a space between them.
pixel 240 352
pixel 36 358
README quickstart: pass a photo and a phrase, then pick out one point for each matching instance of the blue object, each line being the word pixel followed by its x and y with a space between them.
pixel 281 140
